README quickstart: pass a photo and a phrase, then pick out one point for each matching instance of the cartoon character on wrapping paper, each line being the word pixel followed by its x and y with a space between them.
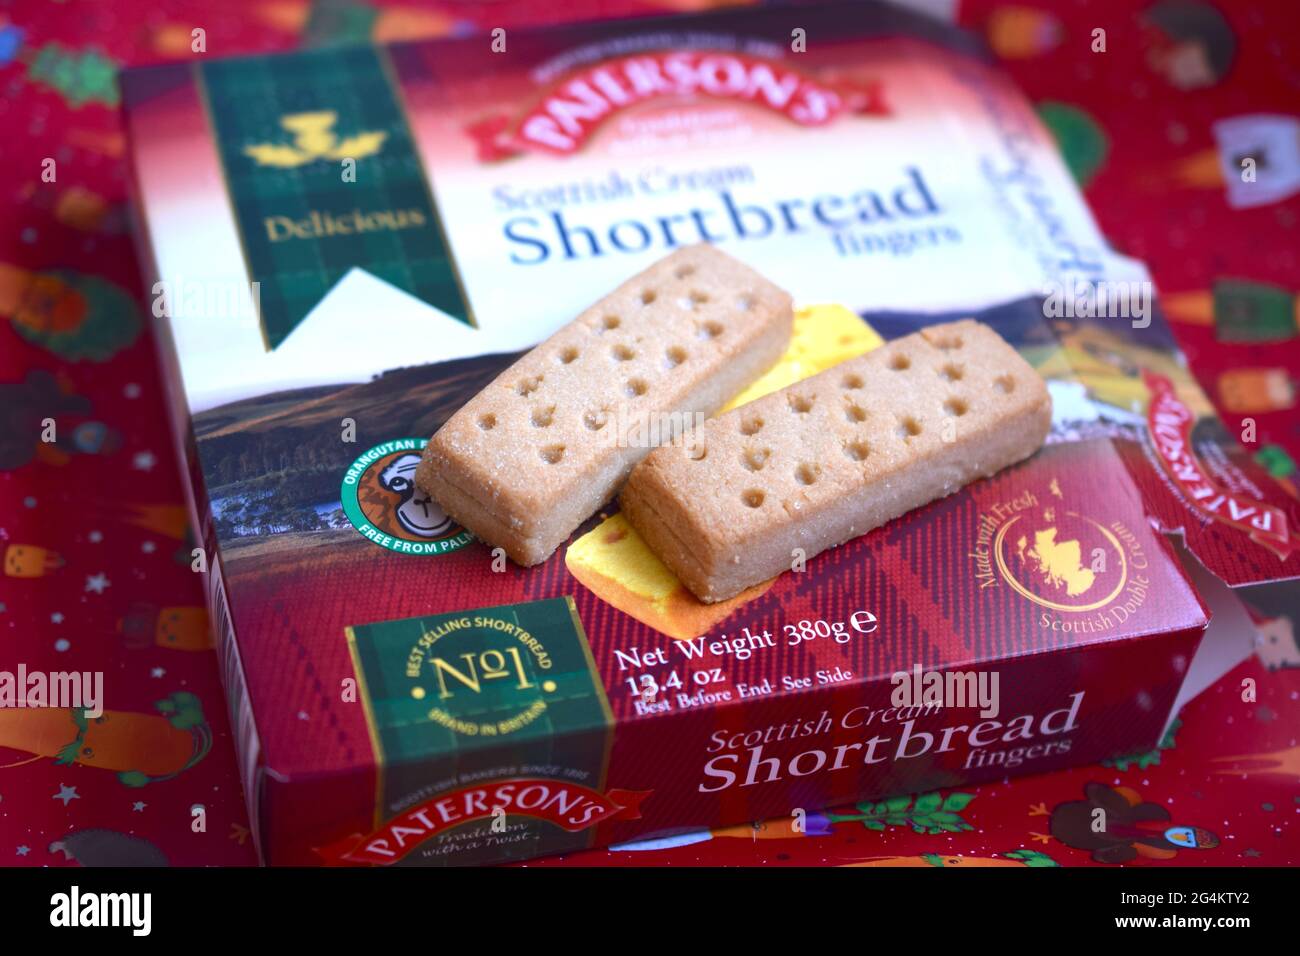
pixel 141 748
pixel 99 847
pixel 1118 826
pixel 76 316
pixel 1276 645
pixel 179 628
pixel 1274 610
pixel 37 423
pixel 1189 43
pixel 1260 158
pixel 30 561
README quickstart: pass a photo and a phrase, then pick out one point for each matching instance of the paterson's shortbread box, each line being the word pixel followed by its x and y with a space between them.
pixel 675 296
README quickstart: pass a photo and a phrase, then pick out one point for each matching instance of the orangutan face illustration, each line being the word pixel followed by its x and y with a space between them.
pixel 418 514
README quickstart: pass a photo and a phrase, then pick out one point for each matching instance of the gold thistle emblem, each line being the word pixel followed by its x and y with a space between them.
pixel 314 138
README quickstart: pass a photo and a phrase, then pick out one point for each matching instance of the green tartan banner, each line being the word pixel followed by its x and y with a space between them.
pixel 322 175
pixel 480 695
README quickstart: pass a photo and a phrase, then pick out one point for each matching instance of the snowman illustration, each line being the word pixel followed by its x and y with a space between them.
pixel 418 514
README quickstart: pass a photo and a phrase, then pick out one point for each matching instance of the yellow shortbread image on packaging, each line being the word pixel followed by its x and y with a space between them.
pixel 835 456
pixel 616 564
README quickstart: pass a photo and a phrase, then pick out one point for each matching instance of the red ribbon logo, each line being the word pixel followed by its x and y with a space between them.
pixel 567 114
pixel 566 805
pixel 1170 423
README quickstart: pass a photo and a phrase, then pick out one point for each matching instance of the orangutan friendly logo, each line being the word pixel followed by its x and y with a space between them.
pixel 383 502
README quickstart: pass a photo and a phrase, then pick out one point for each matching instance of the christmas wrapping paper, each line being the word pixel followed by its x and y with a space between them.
pixel 1174 117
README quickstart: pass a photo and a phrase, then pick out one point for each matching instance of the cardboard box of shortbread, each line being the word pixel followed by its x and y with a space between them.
pixel 401 695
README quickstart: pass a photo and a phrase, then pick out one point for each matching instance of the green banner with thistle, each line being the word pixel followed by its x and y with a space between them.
pixel 323 176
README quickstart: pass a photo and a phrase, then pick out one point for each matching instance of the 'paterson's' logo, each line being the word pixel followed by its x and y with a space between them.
pixel 566 805
pixel 566 115
pixel 1170 422
pixel 314 138
pixel 382 501
pixel 1062 561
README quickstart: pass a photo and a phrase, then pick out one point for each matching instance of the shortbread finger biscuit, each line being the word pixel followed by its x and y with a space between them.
pixel 832 457
pixel 525 461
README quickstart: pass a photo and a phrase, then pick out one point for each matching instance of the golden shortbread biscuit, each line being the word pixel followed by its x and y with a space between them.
pixel 525 461
pixel 614 562
pixel 834 456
